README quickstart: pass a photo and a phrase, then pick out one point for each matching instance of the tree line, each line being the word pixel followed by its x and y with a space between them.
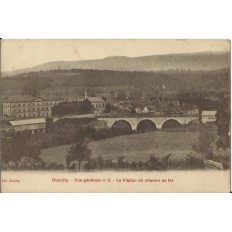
pixel 77 107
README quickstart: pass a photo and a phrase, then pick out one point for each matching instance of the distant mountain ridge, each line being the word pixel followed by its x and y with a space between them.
pixel 192 61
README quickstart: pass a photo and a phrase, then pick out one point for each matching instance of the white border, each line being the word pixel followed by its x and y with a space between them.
pixel 115 19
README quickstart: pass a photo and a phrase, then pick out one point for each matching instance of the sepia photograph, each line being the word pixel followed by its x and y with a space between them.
pixel 105 115
pixel 115 115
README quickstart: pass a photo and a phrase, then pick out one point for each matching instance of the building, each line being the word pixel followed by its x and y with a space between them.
pixel 97 125
pixel 98 103
pixel 148 109
pixel 138 110
pixel 73 99
pixel 28 126
pixel 208 116
pixel 193 112
pixel 28 107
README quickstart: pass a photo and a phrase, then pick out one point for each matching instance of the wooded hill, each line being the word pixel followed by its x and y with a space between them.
pixel 76 81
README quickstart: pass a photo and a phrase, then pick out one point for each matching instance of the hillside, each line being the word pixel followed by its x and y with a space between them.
pixel 65 83
pixel 192 61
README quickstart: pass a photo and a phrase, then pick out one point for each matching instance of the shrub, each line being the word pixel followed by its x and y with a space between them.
pixel 194 162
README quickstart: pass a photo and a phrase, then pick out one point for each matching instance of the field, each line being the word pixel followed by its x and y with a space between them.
pixel 136 147
pixel 140 147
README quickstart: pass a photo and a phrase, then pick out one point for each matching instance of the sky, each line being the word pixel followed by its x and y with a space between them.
pixel 18 54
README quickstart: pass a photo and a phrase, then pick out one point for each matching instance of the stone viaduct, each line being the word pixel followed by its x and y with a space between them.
pixel 157 120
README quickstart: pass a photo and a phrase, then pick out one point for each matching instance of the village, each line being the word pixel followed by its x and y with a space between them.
pixel 29 115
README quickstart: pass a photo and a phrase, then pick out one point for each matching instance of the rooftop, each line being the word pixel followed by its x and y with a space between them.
pixel 97 124
pixel 26 98
pixel 209 112
pixel 95 99
pixel 27 121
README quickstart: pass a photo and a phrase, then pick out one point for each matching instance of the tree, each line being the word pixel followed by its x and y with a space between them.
pixel 204 144
pixel 223 122
pixel 112 93
pixel 86 106
pixel 77 107
pixel 121 96
pixel 136 95
pixel 108 108
pixel 78 152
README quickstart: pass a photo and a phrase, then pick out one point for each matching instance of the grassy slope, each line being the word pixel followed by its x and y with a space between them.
pixel 140 146
pixel 134 147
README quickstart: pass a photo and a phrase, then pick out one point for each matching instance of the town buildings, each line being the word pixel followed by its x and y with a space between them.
pixel 35 107
pixel 28 107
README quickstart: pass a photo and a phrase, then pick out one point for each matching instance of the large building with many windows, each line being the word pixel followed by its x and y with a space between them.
pixel 28 107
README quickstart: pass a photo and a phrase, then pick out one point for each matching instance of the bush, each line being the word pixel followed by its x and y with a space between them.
pixel 194 162
pixel 29 163
pixel 152 164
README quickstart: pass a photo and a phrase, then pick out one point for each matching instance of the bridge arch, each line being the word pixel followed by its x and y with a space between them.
pixel 146 125
pixel 171 123
pixel 194 122
pixel 122 126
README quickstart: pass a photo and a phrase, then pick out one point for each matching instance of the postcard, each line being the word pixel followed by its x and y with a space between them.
pixel 115 115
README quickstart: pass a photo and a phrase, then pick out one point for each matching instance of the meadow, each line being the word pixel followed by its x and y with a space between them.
pixel 135 147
